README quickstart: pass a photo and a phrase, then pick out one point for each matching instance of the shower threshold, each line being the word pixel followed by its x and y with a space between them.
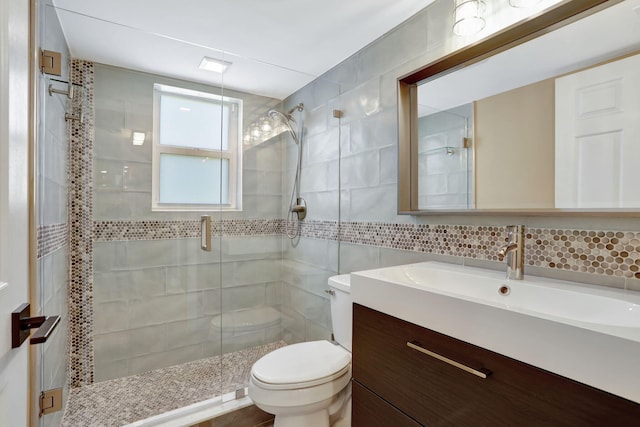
pixel 199 385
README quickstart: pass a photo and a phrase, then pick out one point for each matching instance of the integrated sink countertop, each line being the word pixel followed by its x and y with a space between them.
pixel 584 332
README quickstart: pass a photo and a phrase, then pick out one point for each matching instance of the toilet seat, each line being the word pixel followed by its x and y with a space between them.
pixel 295 386
pixel 301 365
pixel 297 399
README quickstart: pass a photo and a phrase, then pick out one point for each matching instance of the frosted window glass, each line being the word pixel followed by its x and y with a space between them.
pixel 192 122
pixel 193 180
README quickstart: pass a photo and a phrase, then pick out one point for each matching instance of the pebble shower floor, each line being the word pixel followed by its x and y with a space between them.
pixel 125 400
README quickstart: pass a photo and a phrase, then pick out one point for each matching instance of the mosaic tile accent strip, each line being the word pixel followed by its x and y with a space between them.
pixel 327 230
pixel 51 238
pixel 454 240
pixel 105 231
pixel 609 253
pixel 248 227
pixel 125 400
pixel 81 365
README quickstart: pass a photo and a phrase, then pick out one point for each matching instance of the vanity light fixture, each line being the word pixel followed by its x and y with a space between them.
pixel 523 3
pixel 255 130
pixel 215 65
pixel 468 17
pixel 265 125
pixel 138 138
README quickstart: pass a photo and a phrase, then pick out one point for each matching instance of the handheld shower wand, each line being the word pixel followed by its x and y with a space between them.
pixel 297 205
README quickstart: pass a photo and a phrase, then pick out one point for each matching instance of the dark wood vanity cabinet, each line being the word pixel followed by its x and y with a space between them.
pixel 405 374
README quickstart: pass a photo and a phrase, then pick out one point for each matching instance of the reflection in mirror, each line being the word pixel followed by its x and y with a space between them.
pixel 444 164
pixel 551 122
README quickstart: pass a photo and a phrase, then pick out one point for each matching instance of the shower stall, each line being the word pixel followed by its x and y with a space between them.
pixel 181 215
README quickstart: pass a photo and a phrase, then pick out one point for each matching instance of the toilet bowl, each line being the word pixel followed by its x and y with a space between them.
pixel 309 383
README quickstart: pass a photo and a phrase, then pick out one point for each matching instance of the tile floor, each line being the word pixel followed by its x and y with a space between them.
pixel 124 400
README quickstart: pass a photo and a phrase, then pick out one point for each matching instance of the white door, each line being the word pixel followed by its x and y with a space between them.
pixel 14 208
pixel 598 137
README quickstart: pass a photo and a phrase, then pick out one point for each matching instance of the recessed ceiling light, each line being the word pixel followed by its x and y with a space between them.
pixel 215 65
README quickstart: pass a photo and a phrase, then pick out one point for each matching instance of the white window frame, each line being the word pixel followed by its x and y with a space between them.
pixel 233 153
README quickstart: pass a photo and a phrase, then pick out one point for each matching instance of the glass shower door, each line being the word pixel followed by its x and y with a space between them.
pixel 155 290
pixel 51 213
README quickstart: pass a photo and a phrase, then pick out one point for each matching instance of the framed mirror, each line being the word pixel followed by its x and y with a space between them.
pixel 540 118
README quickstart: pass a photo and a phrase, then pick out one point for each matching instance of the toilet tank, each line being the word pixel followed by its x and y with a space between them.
pixel 341 309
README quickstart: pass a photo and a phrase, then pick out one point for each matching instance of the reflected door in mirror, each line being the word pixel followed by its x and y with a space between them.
pixel 598 136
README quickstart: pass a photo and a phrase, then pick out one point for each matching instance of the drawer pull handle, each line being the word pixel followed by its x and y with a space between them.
pixel 482 373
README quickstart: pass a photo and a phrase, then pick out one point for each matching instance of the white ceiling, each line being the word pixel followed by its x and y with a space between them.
pixel 276 46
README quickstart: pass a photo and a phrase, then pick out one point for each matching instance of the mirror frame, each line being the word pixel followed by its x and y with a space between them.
pixel 558 16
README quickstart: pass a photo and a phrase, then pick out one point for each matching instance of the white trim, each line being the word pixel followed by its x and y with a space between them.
pixel 196 413
pixel 233 153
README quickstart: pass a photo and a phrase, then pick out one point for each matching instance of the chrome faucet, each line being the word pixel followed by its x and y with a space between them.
pixel 514 252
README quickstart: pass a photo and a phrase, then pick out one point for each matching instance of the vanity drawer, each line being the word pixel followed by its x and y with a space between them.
pixel 371 411
pixel 435 392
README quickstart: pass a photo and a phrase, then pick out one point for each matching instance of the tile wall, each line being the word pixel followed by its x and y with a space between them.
pixel 312 257
pixel 371 232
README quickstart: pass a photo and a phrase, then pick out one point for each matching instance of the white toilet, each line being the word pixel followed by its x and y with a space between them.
pixel 309 384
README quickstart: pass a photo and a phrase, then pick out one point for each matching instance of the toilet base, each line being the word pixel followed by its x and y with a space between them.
pixel 332 412
pixel 315 419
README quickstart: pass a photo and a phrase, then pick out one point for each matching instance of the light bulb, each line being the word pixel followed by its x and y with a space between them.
pixel 468 17
pixel 265 125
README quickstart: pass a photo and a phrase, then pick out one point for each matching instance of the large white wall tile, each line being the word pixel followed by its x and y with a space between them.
pixel 360 170
pixel 125 285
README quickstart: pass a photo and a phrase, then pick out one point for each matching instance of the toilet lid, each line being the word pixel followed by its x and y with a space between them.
pixel 301 363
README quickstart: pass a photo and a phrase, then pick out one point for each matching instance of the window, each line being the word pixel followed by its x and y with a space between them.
pixel 197 155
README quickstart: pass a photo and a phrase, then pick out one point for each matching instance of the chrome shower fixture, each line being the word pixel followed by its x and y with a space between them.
pixel 272 124
pixel 287 119
pixel 298 107
pixel 297 205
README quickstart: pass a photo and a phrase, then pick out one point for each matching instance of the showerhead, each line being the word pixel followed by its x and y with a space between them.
pixel 275 114
pixel 279 115
pixel 287 119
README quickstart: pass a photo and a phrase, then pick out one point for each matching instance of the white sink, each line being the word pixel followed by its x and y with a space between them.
pixel 584 332
pixel 611 310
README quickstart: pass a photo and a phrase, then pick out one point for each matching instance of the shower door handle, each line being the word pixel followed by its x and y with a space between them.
pixel 205 233
pixel 22 322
